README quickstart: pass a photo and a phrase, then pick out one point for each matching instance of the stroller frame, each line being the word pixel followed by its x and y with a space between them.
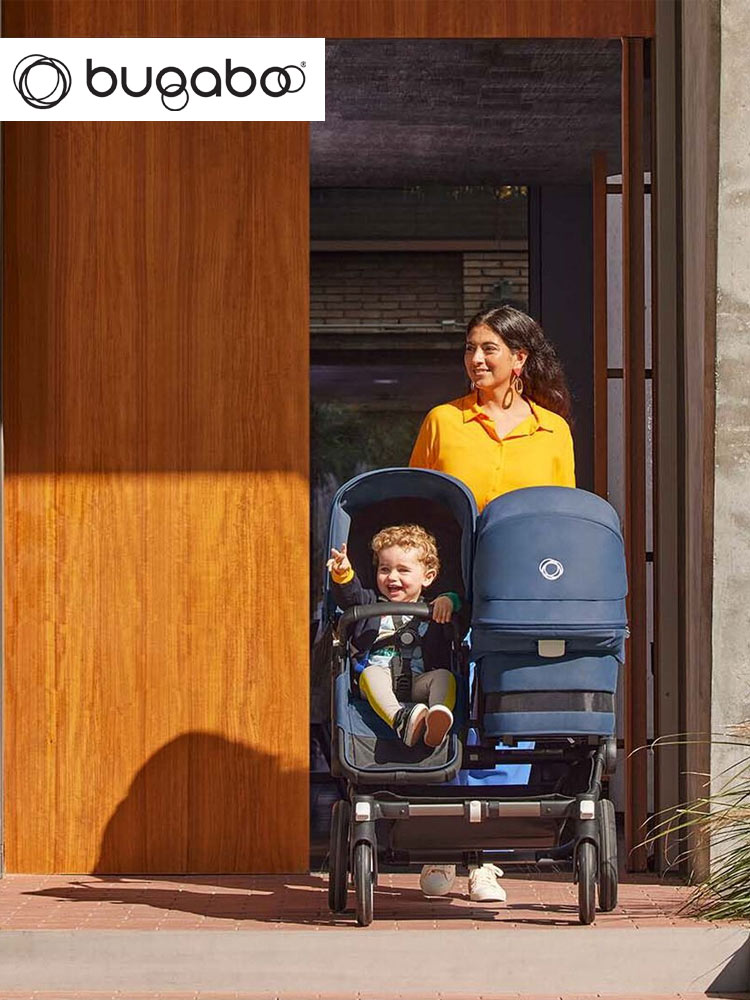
pixel 586 817
pixel 399 807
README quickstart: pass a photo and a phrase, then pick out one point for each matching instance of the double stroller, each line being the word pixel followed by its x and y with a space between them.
pixel 543 570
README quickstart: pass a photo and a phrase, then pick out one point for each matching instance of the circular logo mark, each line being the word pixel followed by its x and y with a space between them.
pixel 41 80
pixel 278 80
pixel 551 569
pixel 176 91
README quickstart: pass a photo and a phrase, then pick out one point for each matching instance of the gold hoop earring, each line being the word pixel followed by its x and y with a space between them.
pixel 508 398
pixel 517 383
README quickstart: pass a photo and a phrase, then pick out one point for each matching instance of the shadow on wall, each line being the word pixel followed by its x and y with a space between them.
pixel 203 804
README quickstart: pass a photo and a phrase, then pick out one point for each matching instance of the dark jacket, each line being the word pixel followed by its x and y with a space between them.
pixel 435 643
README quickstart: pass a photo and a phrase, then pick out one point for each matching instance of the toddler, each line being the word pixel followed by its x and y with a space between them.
pixel 406 563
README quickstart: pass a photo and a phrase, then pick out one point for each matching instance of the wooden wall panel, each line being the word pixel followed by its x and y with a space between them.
pixel 334 18
pixel 634 369
pixel 156 408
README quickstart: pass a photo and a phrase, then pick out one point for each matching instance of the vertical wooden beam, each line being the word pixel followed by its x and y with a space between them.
pixel 665 297
pixel 634 365
pixel 599 194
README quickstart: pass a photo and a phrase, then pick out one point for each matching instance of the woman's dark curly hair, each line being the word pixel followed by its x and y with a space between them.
pixel 542 375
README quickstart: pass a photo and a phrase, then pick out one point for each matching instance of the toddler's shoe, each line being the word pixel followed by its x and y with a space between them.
pixel 409 723
pixel 437 880
pixel 483 885
pixel 439 721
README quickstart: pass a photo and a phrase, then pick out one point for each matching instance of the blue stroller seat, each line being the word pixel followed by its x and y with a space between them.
pixel 370 751
pixel 365 749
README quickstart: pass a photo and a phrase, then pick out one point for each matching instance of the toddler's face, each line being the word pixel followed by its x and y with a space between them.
pixel 401 574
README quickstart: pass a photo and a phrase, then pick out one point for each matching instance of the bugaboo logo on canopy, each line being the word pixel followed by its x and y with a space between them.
pixel 206 81
pixel 41 80
pixel 551 569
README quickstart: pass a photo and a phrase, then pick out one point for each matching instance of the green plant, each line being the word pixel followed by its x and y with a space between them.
pixel 720 822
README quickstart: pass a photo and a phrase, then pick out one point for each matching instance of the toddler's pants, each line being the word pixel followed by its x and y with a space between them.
pixel 433 687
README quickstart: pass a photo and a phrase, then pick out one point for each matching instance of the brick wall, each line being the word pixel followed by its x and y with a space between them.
pixel 410 288
pixel 483 272
pixel 394 288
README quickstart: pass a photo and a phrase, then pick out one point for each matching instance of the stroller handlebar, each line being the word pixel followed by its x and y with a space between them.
pixel 416 609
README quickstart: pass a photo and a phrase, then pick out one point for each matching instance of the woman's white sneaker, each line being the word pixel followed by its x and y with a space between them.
pixel 437 880
pixel 483 885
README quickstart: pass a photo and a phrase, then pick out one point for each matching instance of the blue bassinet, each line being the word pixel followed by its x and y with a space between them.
pixel 549 620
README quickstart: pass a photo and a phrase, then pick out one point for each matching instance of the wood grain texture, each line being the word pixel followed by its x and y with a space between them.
pixel 333 18
pixel 669 688
pixel 634 370
pixel 156 421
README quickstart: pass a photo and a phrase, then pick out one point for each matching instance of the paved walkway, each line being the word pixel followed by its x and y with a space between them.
pixel 67 995
pixel 266 902
pixel 93 938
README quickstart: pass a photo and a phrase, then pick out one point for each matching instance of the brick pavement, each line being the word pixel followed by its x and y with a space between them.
pixel 299 903
pixel 265 902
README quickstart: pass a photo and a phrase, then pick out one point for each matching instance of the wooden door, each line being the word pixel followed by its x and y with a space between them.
pixel 156 428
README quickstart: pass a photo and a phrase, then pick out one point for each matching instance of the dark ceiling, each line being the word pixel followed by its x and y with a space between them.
pixel 473 112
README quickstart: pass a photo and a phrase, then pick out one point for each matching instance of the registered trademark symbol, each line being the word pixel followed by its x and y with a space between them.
pixel 303 64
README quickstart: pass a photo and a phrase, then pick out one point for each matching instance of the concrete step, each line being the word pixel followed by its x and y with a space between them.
pixel 378 963
pixel 274 995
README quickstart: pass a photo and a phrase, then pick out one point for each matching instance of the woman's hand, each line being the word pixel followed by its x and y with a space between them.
pixel 339 561
pixel 442 609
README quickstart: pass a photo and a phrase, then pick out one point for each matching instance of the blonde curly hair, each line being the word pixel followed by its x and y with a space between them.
pixel 408 536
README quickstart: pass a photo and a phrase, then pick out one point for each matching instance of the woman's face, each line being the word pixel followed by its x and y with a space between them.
pixel 488 360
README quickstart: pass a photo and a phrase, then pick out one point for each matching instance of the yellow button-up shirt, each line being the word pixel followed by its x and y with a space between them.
pixel 460 438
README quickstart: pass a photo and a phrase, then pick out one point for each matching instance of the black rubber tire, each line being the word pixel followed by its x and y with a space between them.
pixel 364 883
pixel 586 867
pixel 338 857
pixel 607 856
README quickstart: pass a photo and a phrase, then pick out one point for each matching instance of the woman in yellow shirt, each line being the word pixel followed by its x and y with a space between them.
pixel 509 432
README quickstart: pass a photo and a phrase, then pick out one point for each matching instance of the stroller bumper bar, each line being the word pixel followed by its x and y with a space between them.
pixel 357 613
pixel 474 810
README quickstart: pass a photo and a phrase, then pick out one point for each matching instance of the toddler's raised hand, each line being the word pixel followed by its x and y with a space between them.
pixel 442 609
pixel 339 561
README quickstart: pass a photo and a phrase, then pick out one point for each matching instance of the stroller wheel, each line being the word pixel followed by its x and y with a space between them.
pixel 607 856
pixel 586 868
pixel 364 879
pixel 338 857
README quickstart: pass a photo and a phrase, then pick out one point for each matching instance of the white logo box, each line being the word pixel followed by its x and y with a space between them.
pixel 162 79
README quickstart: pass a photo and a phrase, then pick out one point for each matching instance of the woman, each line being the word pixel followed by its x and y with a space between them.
pixel 509 432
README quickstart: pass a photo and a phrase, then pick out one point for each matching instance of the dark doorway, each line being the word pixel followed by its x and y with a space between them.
pixel 448 175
